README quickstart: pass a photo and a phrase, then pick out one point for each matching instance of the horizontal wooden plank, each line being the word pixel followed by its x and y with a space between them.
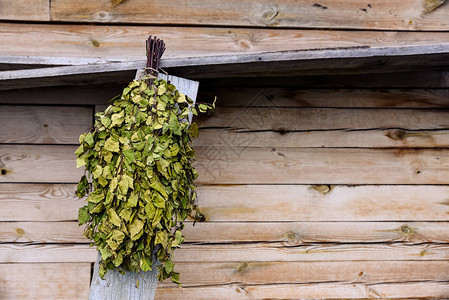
pixel 28 163
pixel 50 253
pixel 39 202
pixel 235 203
pixel 197 273
pixel 25 10
pixel 78 95
pixel 350 98
pixel 413 15
pixel 394 79
pixel 41 232
pixel 230 165
pixel 112 41
pixel 43 124
pixel 254 252
pixel 45 281
pixel 323 203
pixel 390 138
pixel 313 291
pixel 311 119
pixel 288 233
pixel 247 165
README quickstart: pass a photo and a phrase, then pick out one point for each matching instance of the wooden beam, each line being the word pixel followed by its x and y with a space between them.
pixel 239 165
pixel 250 252
pixel 356 14
pixel 287 233
pixel 111 42
pixel 401 290
pixel 43 124
pixel 25 10
pixel 45 281
pixel 255 203
pixel 285 63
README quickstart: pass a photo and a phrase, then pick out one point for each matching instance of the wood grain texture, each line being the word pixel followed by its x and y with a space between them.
pixel 44 281
pixel 319 203
pixel 22 202
pixel 413 15
pixel 287 233
pixel 348 98
pixel 245 165
pixel 196 274
pixel 254 252
pixel 311 119
pixel 43 124
pixel 28 163
pixel 313 291
pixel 118 41
pixel 388 138
pixel 297 233
pixel 39 202
pixel 25 10
pixel 79 95
pixel 42 232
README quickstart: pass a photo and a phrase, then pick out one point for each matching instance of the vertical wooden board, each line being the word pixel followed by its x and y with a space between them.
pixel 43 124
pixel 39 202
pixel 44 281
pixel 383 14
pixel 25 10
pixel 39 163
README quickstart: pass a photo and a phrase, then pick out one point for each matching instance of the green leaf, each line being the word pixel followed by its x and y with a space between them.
pixel 118 260
pixel 111 145
pixel 145 264
pixel 129 156
pixel 132 200
pixel 113 217
pixel 83 215
pixel 80 150
pixel 95 197
pixel 97 171
pixel 169 266
pixel 81 161
pixel 193 130
pixel 89 139
pixel 135 227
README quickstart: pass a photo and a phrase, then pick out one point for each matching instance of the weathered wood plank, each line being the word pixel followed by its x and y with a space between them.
pixel 254 252
pixel 313 291
pixel 358 60
pixel 288 233
pixel 197 273
pixel 28 163
pixel 39 202
pixel 394 79
pixel 234 203
pixel 245 165
pixel 112 41
pixel 25 10
pixel 349 98
pixel 311 232
pixel 41 232
pixel 79 95
pixel 390 138
pixel 43 124
pixel 323 203
pixel 44 281
pixel 312 119
pixel 413 15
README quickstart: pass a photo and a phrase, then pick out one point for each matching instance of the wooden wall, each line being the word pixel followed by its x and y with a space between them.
pixel 307 193
pixel 311 186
